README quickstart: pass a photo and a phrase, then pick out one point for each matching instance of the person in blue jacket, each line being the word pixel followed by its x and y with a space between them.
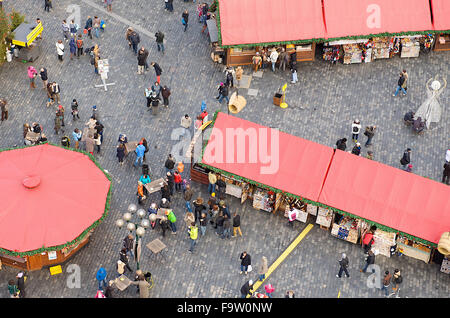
pixel 140 151
pixel 101 278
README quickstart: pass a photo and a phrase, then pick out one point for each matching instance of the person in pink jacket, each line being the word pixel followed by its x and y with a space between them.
pixel 32 73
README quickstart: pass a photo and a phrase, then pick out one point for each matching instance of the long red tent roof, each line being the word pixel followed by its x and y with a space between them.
pixel 299 165
pixel 50 196
pixel 441 14
pixel 389 196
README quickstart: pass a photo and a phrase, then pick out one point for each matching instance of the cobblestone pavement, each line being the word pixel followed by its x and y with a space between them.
pixel 321 108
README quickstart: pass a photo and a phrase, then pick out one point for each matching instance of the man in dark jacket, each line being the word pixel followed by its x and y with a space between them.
pixel 236 224
pixel 341 144
pixel 245 261
pixel 158 71
pixel 221 185
pixel 88 26
pixel 406 159
pixel 128 243
pixel 400 82
pixel 142 60
pixel 185 17
pixel 199 207
pixel 357 149
pixel 21 284
pixel 170 182
pixel 223 93
pixel 219 224
pixel 124 258
pixel 160 40
pixel 226 227
pixel 135 40
pixel 246 289
pixel 369 261
pixel 446 173
pixel 343 262
pixel 165 92
pixel 370 132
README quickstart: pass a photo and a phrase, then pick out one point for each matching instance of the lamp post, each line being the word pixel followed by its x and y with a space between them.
pixel 138 226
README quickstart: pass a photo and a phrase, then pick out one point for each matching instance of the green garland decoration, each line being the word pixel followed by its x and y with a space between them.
pixel 308 201
pixel 318 40
pixel 85 232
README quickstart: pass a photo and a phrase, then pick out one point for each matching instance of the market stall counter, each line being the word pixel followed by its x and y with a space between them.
pixel 26 37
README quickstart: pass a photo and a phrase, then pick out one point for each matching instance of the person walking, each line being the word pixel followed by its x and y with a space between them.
pixel 60 113
pixel 43 76
pixel 96 25
pixel 57 126
pixel 219 224
pixel 193 235
pixel 158 71
pixel 246 289
pixel 80 45
pixel 101 278
pixel 142 60
pixel 178 181
pixel 73 29
pixel 401 84
pixel 60 49
pixel 32 73
pixel 4 108
pixel 159 41
pixel 66 30
pixel 226 227
pixel 124 258
pixel 74 108
pixel 446 173
pixel 370 260
pixel 170 5
pixel 135 40
pixel 88 27
pixel 165 92
pixel 21 284
pixel 140 150
pixel 406 159
pixel 47 5
pixel 273 58
pixel 170 181
pixel 343 263
pixel 386 283
pixel 128 244
pixel 56 90
pixel 109 5
pixel 223 93
pixel 341 144
pixel 369 132
pixel 76 136
pixel 263 268
pixel 236 224
pixel 356 129
pixel 120 153
pixel 212 179
pixel 397 279
pixel 357 149
pixel 203 223
pixel 72 48
pixel 186 123
pixel 229 75
pixel 246 260
pixel 172 221
pixel 185 19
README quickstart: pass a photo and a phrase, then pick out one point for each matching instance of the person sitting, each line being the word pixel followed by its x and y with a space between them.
pixel 409 118
pixel 418 125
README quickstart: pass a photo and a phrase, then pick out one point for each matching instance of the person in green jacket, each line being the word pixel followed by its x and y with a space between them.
pixel 13 289
pixel 193 235
pixel 172 219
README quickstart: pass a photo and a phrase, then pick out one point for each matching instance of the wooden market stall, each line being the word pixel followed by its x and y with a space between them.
pixel 26 38
pixel 44 222
pixel 441 23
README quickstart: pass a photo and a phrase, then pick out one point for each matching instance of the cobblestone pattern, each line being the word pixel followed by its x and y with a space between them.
pixel 321 108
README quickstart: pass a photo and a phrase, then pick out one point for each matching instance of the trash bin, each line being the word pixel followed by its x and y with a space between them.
pixel 277 99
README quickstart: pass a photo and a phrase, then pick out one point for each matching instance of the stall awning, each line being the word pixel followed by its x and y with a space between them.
pixel 269 21
pixel 290 164
pixel 346 18
pixel 388 196
pixel 441 14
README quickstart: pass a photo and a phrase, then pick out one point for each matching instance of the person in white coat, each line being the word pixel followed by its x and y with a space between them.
pixel 356 129
pixel 273 58
pixel 60 49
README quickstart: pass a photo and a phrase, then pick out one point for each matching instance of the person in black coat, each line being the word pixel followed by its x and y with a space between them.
pixel 446 173
pixel 356 149
pixel 246 289
pixel 170 182
pixel 170 163
pixel 124 258
pixel 199 207
pixel 134 39
pixel 341 144
pixel 406 159
pixel 158 71
pixel 121 153
pixel 245 261
pixel 369 261
pixel 21 284
pixel 185 17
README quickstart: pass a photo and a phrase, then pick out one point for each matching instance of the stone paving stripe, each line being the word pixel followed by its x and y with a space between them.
pixel 285 254
pixel 120 19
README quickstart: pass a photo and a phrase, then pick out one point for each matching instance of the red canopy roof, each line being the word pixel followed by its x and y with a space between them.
pixel 50 195
pixel 441 14
pixel 363 17
pixel 300 166
pixel 389 196
pixel 265 21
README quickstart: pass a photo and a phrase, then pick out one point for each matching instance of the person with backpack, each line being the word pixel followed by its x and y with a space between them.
pixel 66 30
pixel 74 107
pixel 79 46
pixel 73 29
pixel 397 279
pixel 223 93
pixel 72 47
pixel 343 263
pixel 170 163
pixel 357 149
pixel 185 19
pixel 165 92
pixel 172 221
pixel 88 27
pixel 356 129
pixel 193 236
pixel 160 41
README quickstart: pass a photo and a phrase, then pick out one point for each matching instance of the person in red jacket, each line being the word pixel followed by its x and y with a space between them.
pixel 368 240
pixel 178 181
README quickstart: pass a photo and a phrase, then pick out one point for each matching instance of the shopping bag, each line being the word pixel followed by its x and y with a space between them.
pixel 249 268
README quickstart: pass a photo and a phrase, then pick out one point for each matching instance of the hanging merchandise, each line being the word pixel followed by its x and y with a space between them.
pixel 410 47
pixel 299 207
pixel 324 217
pixel 352 53
pixel 331 53
pixel 345 228
pixel 383 242
pixel 414 249
pixel 445 267
pixel 261 200
pixel 381 47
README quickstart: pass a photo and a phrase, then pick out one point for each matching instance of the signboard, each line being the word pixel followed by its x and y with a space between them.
pixel 52 255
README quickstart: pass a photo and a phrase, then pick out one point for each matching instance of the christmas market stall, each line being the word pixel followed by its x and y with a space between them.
pixel 52 200
pixel 441 22
pixel 248 27
pixel 27 41
pixel 360 32
pixel 409 211
pixel 293 178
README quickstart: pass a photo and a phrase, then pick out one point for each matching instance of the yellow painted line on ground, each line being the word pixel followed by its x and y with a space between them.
pixel 280 259
pixel 339 294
